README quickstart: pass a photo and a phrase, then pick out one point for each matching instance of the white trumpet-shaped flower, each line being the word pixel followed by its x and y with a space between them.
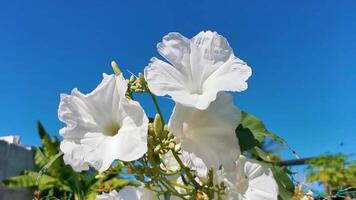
pixel 208 134
pixel 249 179
pixel 102 126
pixel 129 193
pixel 198 69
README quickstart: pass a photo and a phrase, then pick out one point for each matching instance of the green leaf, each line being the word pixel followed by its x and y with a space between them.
pixel 118 183
pixel 261 154
pixel 40 159
pixel 246 138
pixel 256 126
pixel 285 184
pixel 50 148
pixel 35 180
pixel 20 181
pixel 251 132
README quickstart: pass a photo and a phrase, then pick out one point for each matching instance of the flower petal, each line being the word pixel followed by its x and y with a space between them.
pixel 230 76
pixel 129 193
pixel 162 78
pixel 176 49
pixel 208 133
pixel 73 156
pixel 261 182
pixel 249 179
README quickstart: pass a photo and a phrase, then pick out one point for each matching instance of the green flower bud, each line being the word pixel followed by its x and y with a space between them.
pixel 157 149
pixel 171 145
pixel 170 135
pixel 116 68
pixel 177 148
pixel 165 127
pixel 132 78
pixel 99 176
pixel 158 125
pixel 166 142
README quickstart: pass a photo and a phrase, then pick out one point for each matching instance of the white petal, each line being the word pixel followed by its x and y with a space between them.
pixel 201 67
pixel 230 76
pixel 189 160
pixel 104 124
pixel 129 193
pixel 73 155
pixel 209 133
pixel 112 195
pixel 209 50
pixel 262 185
pixel 249 179
pixel 176 49
pixel 195 163
pixel 164 79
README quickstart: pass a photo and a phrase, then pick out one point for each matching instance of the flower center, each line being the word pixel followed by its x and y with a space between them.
pixel 112 129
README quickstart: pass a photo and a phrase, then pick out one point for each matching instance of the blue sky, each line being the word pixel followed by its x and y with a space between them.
pixel 303 56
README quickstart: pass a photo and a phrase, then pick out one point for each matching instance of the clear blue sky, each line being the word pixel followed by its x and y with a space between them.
pixel 303 55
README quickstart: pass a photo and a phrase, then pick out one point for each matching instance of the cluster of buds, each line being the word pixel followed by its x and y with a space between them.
pixel 105 187
pixel 160 138
pixel 137 84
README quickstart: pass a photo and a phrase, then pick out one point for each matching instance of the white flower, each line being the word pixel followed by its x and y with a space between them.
pixel 249 179
pixel 102 126
pixel 210 133
pixel 129 193
pixel 112 195
pixel 199 68
pixel 189 160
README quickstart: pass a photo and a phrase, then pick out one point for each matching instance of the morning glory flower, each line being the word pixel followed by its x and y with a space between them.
pixel 102 126
pixel 208 134
pixel 198 69
pixel 129 193
pixel 249 179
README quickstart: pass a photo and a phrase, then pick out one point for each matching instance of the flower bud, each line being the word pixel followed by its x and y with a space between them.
pixel 157 124
pixel 171 145
pixel 177 148
pixel 99 176
pixel 165 127
pixel 170 135
pixel 201 195
pixel 116 68
pixel 157 149
pixel 132 78
pixel 141 77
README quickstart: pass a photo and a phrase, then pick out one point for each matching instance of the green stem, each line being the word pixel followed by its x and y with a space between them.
pixel 186 170
pixel 167 184
pixel 155 102
pixel 186 187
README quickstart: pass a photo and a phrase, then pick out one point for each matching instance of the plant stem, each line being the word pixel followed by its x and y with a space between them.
pixel 186 170
pixel 156 105
pixel 186 187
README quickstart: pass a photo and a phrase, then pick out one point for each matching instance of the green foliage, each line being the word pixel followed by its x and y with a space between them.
pixel 53 178
pixel 333 171
pixel 285 184
pixel 252 135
